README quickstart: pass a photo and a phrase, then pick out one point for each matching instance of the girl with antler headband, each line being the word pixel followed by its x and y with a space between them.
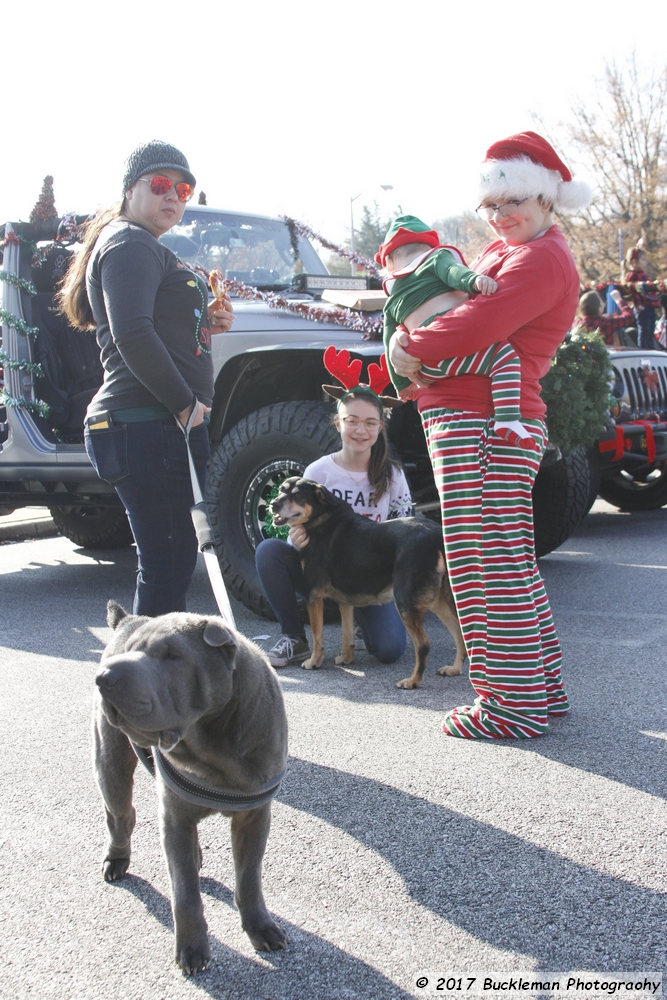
pixel 364 474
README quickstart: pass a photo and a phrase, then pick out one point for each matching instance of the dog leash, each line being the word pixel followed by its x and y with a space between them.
pixel 204 531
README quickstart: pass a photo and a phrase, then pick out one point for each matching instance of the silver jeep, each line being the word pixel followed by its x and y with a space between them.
pixel 270 417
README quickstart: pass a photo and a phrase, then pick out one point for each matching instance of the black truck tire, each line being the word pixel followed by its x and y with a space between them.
pixel 257 454
pixel 562 496
pixel 93 527
pixel 631 494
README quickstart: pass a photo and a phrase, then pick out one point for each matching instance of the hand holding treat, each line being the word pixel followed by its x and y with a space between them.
pixel 220 313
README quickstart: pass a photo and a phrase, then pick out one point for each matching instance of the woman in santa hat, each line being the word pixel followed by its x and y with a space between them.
pixel 485 482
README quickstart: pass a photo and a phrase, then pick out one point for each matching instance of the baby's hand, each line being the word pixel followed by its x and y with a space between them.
pixel 409 393
pixel 485 285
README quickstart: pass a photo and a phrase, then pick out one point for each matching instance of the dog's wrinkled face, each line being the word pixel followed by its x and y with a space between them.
pixel 159 676
pixel 296 501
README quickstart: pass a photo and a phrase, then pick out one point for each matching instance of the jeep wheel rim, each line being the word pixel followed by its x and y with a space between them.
pixel 261 489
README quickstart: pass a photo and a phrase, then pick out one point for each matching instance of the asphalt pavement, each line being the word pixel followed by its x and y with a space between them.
pixel 396 854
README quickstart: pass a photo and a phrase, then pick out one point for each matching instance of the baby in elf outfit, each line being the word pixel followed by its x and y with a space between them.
pixel 419 270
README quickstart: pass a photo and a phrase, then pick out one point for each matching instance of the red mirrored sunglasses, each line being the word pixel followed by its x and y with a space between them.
pixel 162 185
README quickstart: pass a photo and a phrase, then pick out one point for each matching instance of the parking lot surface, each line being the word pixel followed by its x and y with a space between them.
pixel 396 854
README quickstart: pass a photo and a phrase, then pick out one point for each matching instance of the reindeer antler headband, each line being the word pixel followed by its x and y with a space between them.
pixel 348 372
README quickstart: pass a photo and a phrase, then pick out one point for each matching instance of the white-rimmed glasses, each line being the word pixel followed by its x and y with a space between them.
pixel 372 424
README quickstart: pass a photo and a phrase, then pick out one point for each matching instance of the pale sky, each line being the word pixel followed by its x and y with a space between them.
pixel 296 107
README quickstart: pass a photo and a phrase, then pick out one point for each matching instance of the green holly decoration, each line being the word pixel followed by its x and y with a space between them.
pixel 270 529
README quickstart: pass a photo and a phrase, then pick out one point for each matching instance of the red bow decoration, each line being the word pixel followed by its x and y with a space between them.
pixel 347 372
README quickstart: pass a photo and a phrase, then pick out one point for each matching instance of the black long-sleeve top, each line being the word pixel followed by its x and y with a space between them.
pixel 152 323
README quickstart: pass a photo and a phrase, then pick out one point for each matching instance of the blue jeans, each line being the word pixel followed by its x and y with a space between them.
pixel 147 464
pixel 279 570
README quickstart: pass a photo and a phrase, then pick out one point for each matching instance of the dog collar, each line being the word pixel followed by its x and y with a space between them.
pixel 200 793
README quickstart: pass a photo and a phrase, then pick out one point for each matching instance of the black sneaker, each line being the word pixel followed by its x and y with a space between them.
pixel 359 644
pixel 288 652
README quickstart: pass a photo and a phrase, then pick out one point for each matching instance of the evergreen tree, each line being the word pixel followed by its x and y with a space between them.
pixel 370 231
pixel 45 208
pixel 620 136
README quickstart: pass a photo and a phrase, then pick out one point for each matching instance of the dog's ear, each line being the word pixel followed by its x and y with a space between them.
pixel 115 614
pixel 215 634
pixel 321 495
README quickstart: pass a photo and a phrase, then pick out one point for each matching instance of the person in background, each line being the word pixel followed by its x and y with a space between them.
pixel 646 302
pixel 591 316
pixel 154 332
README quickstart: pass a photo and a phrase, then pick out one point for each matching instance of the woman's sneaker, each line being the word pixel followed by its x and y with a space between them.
pixel 359 644
pixel 288 652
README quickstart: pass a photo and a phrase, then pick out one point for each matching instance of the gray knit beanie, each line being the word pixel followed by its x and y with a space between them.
pixel 152 156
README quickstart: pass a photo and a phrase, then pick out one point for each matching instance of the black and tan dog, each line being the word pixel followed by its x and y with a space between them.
pixel 357 562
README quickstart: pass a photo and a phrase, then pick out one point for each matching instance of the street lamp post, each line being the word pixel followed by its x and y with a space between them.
pixel 353 239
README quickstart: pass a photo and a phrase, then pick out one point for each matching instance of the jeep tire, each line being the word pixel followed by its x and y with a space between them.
pixel 257 454
pixel 562 496
pixel 630 494
pixel 94 527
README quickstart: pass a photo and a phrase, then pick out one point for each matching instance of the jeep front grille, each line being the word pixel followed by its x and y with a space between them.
pixel 645 386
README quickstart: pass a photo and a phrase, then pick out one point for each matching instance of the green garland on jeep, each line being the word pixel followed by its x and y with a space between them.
pixel 606 408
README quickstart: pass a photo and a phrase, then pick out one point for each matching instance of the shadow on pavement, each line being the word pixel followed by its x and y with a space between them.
pixel 309 966
pixel 503 890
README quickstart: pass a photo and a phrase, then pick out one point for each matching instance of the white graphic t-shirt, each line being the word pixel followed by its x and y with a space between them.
pixel 355 489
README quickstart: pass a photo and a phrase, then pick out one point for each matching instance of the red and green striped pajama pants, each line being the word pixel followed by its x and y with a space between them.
pixel 515 658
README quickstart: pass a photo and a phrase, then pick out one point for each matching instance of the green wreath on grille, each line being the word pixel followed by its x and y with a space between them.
pixel 576 391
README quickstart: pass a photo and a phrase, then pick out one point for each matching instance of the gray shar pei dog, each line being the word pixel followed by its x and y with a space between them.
pixel 204 703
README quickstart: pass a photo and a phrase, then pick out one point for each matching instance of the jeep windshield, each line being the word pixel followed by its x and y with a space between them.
pixel 254 249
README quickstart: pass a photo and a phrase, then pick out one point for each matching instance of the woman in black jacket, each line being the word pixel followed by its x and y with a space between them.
pixel 154 332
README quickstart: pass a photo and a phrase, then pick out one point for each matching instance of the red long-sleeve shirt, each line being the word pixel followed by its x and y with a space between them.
pixel 538 291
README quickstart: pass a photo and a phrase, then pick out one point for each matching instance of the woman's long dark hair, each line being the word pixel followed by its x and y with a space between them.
pixel 382 462
pixel 72 299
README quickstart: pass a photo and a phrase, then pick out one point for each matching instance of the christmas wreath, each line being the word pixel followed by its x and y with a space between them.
pixel 576 391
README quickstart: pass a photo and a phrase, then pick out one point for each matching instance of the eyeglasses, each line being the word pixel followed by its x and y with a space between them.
pixel 487 212
pixel 163 185
pixel 353 422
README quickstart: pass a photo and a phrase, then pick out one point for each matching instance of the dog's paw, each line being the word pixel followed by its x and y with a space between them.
pixel 114 869
pixel 408 684
pixel 312 663
pixel 345 659
pixel 268 937
pixel 192 959
pixel 450 671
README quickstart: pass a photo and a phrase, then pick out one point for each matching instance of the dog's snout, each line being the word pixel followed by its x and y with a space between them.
pixel 277 504
pixel 106 679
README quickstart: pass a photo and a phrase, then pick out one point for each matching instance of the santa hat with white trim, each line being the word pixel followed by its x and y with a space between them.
pixel 527 166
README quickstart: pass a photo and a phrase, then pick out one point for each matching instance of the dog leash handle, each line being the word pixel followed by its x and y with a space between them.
pixel 204 531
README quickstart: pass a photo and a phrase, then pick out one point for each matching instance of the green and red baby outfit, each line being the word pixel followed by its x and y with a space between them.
pixel 441 269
